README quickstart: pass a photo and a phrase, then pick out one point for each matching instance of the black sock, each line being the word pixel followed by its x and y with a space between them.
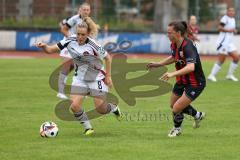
pixel 190 111
pixel 178 119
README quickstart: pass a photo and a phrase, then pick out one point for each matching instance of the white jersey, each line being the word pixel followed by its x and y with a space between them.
pixel 225 38
pixel 72 24
pixel 87 58
pixel 64 21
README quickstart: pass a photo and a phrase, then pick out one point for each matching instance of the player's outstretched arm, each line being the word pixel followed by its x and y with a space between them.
pixel 47 48
pixel 166 61
pixel 185 70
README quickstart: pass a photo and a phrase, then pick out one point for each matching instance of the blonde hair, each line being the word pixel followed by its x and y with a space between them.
pixel 83 25
pixel 90 25
pixel 85 4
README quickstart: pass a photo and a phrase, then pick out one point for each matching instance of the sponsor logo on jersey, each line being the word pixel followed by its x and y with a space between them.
pixel 85 53
pixel 193 93
pixel 180 62
pixel 181 53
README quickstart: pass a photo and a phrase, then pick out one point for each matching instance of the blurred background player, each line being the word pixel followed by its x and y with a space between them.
pixel 193 28
pixel 90 77
pixel 192 31
pixel 225 46
pixel 68 28
pixel 190 79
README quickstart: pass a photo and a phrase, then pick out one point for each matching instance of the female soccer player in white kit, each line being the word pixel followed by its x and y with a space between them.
pixel 89 78
pixel 225 46
pixel 68 28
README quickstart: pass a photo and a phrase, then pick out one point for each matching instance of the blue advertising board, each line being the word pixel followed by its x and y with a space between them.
pixel 115 42
pixel 27 40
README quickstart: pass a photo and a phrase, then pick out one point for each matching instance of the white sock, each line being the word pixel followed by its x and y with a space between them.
pixel 83 118
pixel 86 125
pixel 62 79
pixel 65 79
pixel 215 69
pixel 232 68
pixel 111 107
pixel 197 115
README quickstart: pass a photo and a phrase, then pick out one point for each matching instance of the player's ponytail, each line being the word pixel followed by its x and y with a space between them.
pixel 92 27
pixel 184 23
pixel 188 31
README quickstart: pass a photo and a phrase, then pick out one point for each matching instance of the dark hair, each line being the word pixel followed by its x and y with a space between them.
pixel 179 26
pixel 184 23
pixel 182 27
pixel 188 32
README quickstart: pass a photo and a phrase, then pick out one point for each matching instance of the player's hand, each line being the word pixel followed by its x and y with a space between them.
pixel 166 76
pixel 152 65
pixel 108 81
pixel 40 44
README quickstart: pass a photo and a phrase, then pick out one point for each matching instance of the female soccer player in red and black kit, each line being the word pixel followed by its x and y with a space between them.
pixel 193 28
pixel 190 79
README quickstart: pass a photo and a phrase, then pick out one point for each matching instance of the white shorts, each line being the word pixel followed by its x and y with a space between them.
pixel 226 48
pixel 93 88
pixel 64 53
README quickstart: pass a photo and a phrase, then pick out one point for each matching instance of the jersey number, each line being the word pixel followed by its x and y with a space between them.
pixel 99 85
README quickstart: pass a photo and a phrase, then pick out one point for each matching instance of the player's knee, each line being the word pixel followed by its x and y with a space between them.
pixel 71 67
pixel 75 107
pixel 65 70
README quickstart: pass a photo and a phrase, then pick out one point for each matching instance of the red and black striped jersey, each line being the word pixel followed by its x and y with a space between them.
pixel 187 53
pixel 192 32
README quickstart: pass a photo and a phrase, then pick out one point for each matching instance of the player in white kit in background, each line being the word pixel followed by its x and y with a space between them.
pixel 225 46
pixel 90 77
pixel 68 28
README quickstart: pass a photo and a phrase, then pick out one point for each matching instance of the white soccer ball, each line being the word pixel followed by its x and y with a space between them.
pixel 48 129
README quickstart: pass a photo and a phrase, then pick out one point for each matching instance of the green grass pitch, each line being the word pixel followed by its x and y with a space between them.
pixel 26 101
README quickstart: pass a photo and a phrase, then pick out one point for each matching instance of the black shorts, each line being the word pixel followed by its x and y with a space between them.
pixel 191 92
